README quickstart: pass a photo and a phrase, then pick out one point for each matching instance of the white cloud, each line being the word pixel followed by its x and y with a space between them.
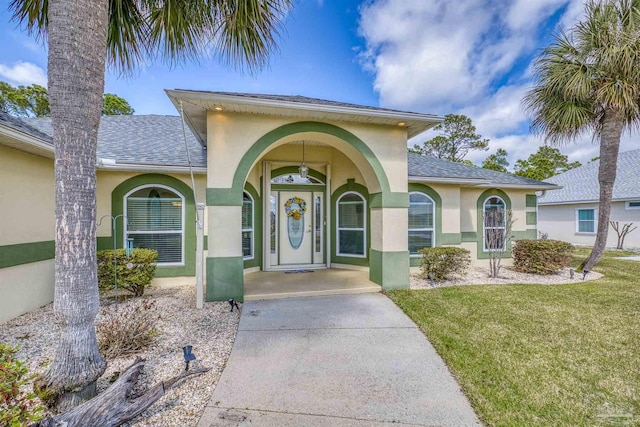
pixel 469 57
pixel 23 73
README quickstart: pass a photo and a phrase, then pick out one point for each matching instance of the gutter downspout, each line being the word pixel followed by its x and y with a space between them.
pixel 199 224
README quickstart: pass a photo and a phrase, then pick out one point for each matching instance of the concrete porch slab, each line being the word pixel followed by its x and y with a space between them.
pixel 263 285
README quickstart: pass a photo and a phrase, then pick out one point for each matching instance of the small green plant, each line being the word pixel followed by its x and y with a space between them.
pixel 444 261
pixel 17 408
pixel 127 328
pixel 541 256
pixel 134 273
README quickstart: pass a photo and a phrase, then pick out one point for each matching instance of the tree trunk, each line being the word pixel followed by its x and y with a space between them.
pixel 76 83
pixel 612 125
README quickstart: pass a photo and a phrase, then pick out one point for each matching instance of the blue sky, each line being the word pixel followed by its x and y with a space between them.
pixel 432 56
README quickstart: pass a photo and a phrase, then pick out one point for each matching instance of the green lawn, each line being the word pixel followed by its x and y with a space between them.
pixel 535 355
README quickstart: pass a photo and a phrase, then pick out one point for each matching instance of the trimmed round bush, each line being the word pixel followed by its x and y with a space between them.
pixel 444 261
pixel 134 272
pixel 541 256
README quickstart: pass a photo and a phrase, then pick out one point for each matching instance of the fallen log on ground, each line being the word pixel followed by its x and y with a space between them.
pixel 117 404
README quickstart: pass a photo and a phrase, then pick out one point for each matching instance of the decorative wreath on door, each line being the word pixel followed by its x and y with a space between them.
pixel 295 207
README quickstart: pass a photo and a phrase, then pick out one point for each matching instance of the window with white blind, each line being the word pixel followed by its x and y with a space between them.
pixel 494 216
pixel 352 224
pixel 155 220
pixel 247 226
pixel 421 220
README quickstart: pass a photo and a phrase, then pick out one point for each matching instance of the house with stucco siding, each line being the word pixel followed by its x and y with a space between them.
pixel 570 213
pixel 285 182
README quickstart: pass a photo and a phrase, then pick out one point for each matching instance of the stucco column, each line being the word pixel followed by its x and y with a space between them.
pixel 224 261
pixel 389 253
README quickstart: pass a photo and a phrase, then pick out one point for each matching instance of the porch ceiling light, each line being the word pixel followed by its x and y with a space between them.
pixel 218 107
pixel 303 169
pixel 402 124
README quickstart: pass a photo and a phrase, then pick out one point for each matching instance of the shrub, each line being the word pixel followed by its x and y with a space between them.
pixel 134 272
pixel 444 261
pixel 127 328
pixel 17 408
pixel 541 256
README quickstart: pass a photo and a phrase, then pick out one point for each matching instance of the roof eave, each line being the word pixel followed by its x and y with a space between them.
pixel 34 144
pixel 537 187
pixel 443 180
pixel 135 167
pixel 416 123
pixel 586 201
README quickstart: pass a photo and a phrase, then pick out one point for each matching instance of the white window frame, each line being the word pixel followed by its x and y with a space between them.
pixel 182 231
pixel 595 221
pixel 627 205
pixel 484 227
pixel 363 229
pixel 433 229
pixel 252 229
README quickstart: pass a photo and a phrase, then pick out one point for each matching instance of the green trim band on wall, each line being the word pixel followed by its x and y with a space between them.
pixel 482 254
pixel 528 234
pixel 223 197
pixel 256 261
pixel 469 236
pixel 26 253
pixel 225 278
pixel 450 239
pixel 532 201
pixel 117 208
pixel 335 258
pixel 389 200
pixel 532 218
pixel 104 242
pixel 389 269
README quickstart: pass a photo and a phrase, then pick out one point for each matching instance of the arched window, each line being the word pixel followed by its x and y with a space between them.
pixel 155 220
pixel 351 229
pixel 421 222
pixel 494 217
pixel 247 226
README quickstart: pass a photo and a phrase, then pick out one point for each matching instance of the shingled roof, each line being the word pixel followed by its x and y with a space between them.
pixel 158 141
pixel 581 184
pixel 141 140
pixel 20 125
pixel 430 167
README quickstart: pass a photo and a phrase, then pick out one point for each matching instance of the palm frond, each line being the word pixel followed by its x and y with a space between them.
pixel 241 32
pixel 587 71
pixel 33 15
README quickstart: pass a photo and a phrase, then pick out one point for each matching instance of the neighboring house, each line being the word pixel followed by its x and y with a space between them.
pixel 571 212
pixel 365 203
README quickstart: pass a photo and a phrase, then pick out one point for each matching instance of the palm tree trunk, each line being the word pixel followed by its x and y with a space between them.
pixel 612 126
pixel 76 83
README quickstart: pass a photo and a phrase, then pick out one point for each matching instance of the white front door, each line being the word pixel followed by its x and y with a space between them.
pixel 296 226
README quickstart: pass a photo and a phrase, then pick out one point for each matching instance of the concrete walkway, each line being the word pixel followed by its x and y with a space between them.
pixel 351 360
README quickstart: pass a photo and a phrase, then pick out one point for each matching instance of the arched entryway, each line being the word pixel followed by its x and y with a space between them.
pixel 332 219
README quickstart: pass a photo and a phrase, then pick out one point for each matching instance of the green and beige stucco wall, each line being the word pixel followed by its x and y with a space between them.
pixel 371 158
pixel 27 245
pixel 26 234
pixel 458 216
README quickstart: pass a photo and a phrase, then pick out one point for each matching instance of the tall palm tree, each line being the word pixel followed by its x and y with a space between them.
pixel 82 36
pixel 588 81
